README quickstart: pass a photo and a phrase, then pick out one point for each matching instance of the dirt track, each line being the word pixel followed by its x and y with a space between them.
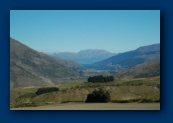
pixel 96 106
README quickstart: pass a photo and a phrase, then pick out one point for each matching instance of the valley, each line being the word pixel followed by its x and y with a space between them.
pixel 128 81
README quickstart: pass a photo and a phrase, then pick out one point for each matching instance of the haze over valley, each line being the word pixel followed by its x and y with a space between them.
pixel 29 67
pixel 85 56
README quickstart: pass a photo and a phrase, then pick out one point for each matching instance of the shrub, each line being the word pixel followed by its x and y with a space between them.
pixel 139 84
pixel 98 96
pixel 46 90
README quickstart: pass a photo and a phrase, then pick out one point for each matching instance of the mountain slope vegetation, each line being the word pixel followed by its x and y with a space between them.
pixel 29 67
pixel 150 69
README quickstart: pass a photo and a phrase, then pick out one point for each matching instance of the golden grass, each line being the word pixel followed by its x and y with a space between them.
pixel 121 90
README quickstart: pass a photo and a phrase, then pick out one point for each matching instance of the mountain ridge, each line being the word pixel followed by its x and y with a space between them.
pixel 84 56
pixel 129 59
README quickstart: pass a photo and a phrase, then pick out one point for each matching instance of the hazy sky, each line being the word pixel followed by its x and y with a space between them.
pixel 75 30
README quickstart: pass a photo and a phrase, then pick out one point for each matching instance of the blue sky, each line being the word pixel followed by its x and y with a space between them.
pixel 74 30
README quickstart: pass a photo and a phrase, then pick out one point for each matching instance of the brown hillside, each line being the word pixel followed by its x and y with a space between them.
pixel 150 69
pixel 29 67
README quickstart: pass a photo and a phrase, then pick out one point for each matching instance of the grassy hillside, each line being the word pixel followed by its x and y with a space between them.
pixel 150 69
pixel 30 68
pixel 121 91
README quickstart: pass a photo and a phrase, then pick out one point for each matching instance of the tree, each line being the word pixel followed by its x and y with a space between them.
pixel 90 79
pixel 100 78
pixel 105 79
pixel 111 78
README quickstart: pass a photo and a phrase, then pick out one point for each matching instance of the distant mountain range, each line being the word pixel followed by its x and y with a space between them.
pixel 149 69
pixel 29 67
pixel 85 56
pixel 129 59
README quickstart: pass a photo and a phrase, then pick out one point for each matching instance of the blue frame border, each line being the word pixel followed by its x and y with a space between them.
pixel 163 115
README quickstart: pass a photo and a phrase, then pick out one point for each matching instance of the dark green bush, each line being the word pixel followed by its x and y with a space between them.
pixel 98 96
pixel 46 90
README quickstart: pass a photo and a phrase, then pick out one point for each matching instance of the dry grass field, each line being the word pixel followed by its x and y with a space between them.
pixel 95 106
pixel 126 94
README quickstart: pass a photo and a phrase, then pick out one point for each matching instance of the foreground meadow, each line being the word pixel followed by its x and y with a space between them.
pixel 125 94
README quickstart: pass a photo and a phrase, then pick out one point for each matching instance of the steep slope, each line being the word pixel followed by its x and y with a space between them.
pixel 150 69
pixel 129 59
pixel 85 56
pixel 29 67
